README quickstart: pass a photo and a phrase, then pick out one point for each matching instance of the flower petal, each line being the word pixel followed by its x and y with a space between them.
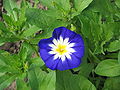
pixel 64 32
pixel 79 51
pixel 51 63
pixel 62 65
pixel 74 61
pixel 77 40
pixel 44 43
pixel 44 53
pixel 69 63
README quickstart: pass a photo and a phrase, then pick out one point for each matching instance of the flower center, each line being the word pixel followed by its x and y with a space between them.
pixel 61 49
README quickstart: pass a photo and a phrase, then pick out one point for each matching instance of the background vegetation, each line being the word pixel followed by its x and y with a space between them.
pixel 25 23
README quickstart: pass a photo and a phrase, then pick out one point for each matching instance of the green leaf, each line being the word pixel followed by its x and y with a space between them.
pixel 117 2
pixel 2 27
pixel 85 26
pixel 107 9
pixel 108 67
pixel 11 39
pixel 34 83
pixel 6 80
pixel 30 48
pixel 48 3
pixel 58 4
pixel 9 5
pixel 119 57
pixel 21 85
pixel 112 84
pixel 21 18
pixel 47 80
pixel 4 59
pixel 68 81
pixel 47 33
pixel 6 68
pixel 23 53
pixel 38 17
pixel 41 18
pixel 80 5
pixel 114 46
pixel 8 20
pixel 40 80
pixel 10 63
pixel 86 69
pixel 36 62
pixel 64 4
pixel 30 31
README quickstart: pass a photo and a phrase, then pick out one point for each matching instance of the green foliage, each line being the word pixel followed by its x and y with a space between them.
pixel 21 85
pixel 80 5
pixel 6 80
pixel 68 81
pixel 98 21
pixel 119 57
pixel 40 80
pixel 112 83
pixel 108 68
pixel 117 2
pixel 114 46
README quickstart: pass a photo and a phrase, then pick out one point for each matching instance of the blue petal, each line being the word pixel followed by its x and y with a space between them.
pixel 44 54
pixel 64 32
pixel 69 63
pixel 63 65
pixel 51 63
pixel 79 51
pixel 49 60
pixel 78 40
pixel 74 62
pixel 44 43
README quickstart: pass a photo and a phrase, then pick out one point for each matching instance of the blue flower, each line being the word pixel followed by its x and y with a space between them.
pixel 63 50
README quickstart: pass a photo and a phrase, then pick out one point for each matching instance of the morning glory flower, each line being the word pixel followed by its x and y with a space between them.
pixel 63 50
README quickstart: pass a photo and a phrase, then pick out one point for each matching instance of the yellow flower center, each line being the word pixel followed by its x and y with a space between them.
pixel 61 49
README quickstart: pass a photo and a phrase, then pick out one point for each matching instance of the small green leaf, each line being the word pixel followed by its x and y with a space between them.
pixel 114 46
pixel 80 5
pixel 40 80
pixel 68 81
pixel 9 5
pixel 34 83
pixel 5 68
pixel 108 67
pixel 119 57
pixel 36 62
pixel 48 3
pixel 31 31
pixel 11 39
pixel 64 4
pixel 112 83
pixel 46 80
pixel 117 2
pixel 57 4
pixel 8 20
pixel 30 48
pixel 23 53
pixel 6 80
pixel 86 69
pixel 4 59
pixel 21 85
pixel 2 27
